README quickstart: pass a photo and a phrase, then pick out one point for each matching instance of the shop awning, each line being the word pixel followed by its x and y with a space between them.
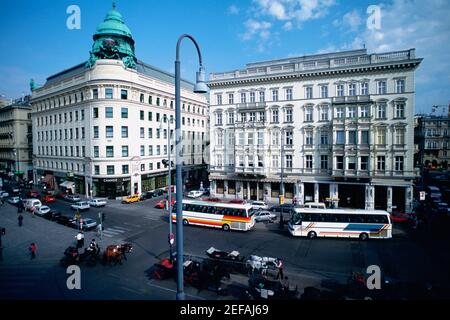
pixel 67 184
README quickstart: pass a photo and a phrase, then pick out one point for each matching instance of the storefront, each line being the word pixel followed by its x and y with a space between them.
pixel 150 182
pixel 111 188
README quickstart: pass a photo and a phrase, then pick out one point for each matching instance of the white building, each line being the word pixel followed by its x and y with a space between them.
pixel 344 121
pixel 100 128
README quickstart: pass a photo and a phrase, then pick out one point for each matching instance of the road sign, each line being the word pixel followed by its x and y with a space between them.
pixel 171 238
pixel 422 195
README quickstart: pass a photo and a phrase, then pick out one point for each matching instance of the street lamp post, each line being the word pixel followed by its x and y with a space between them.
pixel 199 87
pixel 281 180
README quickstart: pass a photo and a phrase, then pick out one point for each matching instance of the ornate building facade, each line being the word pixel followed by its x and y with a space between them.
pixel 340 126
pixel 101 127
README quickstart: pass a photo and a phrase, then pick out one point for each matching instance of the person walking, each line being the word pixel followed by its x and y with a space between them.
pixel 20 219
pixel 33 249
pixel 280 266
pixel 80 239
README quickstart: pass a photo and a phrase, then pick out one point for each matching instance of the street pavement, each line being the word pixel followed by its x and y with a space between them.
pixel 410 257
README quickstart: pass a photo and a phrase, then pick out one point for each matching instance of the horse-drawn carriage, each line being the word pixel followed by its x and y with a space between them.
pixel 73 256
pixel 262 265
pixel 261 287
pixel 230 261
pixel 116 253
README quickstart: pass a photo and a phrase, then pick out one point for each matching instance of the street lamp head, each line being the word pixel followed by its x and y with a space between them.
pixel 200 85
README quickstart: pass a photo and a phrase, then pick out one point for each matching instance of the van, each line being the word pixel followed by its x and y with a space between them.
pixel 315 205
pixel 30 203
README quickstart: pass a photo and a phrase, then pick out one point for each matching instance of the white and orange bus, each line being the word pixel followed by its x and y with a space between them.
pixel 228 216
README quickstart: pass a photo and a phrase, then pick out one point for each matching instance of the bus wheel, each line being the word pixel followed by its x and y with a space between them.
pixel 312 234
pixel 226 227
pixel 185 222
pixel 363 236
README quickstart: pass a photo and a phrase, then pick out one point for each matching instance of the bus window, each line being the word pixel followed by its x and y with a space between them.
pixel 306 217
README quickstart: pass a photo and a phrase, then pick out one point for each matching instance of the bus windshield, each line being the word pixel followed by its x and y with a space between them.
pixel 296 218
pixel 251 212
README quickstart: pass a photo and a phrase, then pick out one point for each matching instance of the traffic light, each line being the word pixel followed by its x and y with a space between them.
pixel 165 162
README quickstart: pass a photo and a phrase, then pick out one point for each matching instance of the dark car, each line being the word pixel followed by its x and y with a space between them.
pixel 287 208
pixel 64 220
pixel 52 215
pixel 148 195
pixel 158 192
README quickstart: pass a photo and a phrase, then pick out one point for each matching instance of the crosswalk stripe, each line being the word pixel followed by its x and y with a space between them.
pixel 115 230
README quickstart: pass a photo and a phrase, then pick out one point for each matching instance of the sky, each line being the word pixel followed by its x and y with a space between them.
pixel 36 43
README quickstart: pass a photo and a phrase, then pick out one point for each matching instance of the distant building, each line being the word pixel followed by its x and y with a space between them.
pixel 16 139
pixel 100 128
pixel 340 125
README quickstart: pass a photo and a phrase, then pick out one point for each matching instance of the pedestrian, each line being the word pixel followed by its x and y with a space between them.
pixel 33 209
pixel 99 229
pixel 33 249
pixel 20 218
pixel 281 221
pixel 80 239
pixel 3 201
pixel 280 266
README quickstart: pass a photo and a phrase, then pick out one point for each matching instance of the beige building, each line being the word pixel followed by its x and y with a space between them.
pixel 16 139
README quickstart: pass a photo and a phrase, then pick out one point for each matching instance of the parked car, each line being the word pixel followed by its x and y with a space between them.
pixel 30 203
pixel 82 205
pixel 42 210
pixel 158 192
pixel 14 200
pixel 287 208
pixel 72 198
pixel 33 194
pixel 264 215
pixel 401 217
pixel 88 224
pixel 237 201
pixel 162 203
pixel 213 200
pixel 195 194
pixel 97 202
pixel 315 205
pixel 259 205
pixel 61 195
pixel 48 198
pixel 4 194
pixel 64 220
pixel 131 199
pixel 52 215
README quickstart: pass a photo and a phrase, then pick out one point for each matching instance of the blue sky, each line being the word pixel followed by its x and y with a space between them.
pixel 36 43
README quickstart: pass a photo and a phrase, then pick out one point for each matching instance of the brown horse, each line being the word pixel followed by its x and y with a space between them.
pixel 116 253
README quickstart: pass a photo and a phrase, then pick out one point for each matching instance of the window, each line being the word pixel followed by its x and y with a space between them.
pixel 240 161
pixel 399 110
pixel 381 136
pixel 150 150
pixel 252 116
pixel 252 97
pixel 339 162
pixel 96 152
pixel 309 162
pixel 76 117
pixel 275 138
pixel 400 86
pixel 351 163
pixel 141 98
pixel 400 136
pixel 352 137
pixel 124 151
pixel 158 133
pixel 340 112
pixel 219 99
pixel 96 170
pixel 82 115
pixel 158 150
pixel 324 114
pixel 158 165
pixel 324 162
pixel 399 163
pixel 108 93
pixel 125 169
pixel 124 132
pixel 364 89
pixel 150 133
pixel 142 132
pixel 231 117
pixel 83 135
pixel 95 115
pixel 109 151
pixel 324 91
pixel 230 98
pixel 289 117
pixel 250 161
pixel 250 140
pixel 364 112
pixel 351 112
pixel 109 170
pixel 352 89
pixel 241 138
pixel 108 112
pixel 262 96
pixel 109 132
pixel 124 113
pixel 219 138
pixel 142 150
pixel 275 95
pixel 309 138
pixel 381 87
pixel 260 138
pixel 243 97
pixel 381 111
pixel 275 115
pixel 149 116
pixel 96 134
pixel 308 92
pixel 288 93
pixel 95 93
pixel 289 138
pixel 289 161
pixel 309 114
pixel 364 162
pixel 219 118
pixel 150 166
pixel 340 137
pixel 365 137
pixel 275 161
pixel 340 90
pixel 381 163
pixel 158 101
pixel 323 137
pixel 219 160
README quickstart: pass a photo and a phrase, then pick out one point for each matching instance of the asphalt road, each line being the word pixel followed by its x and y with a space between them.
pixel 408 257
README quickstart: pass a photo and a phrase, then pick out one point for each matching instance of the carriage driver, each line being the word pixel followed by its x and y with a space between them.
pixel 93 246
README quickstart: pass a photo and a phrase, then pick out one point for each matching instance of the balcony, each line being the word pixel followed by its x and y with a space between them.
pixel 251 106
pixel 251 170
pixel 249 124
pixel 350 100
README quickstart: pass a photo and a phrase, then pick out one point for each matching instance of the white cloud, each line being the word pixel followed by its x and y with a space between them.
pixel 233 9
pixel 256 28
pixel 352 20
pixel 288 26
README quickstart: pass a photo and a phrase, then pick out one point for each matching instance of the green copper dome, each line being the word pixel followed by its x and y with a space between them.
pixel 113 40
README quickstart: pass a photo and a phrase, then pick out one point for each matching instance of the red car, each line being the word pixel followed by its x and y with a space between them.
pixel 212 200
pixel 162 203
pixel 400 217
pixel 237 201
pixel 33 194
pixel 48 198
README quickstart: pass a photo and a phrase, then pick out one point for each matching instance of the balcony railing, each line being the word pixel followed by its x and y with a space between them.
pixel 350 99
pixel 251 105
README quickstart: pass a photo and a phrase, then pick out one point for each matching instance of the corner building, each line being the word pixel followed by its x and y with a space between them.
pixel 340 124
pixel 100 128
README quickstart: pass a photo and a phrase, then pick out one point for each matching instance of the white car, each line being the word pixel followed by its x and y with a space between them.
pixel 259 205
pixel 264 215
pixel 88 223
pixel 82 205
pixel 4 194
pixel 14 200
pixel 42 210
pixel 97 203
pixel 195 194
